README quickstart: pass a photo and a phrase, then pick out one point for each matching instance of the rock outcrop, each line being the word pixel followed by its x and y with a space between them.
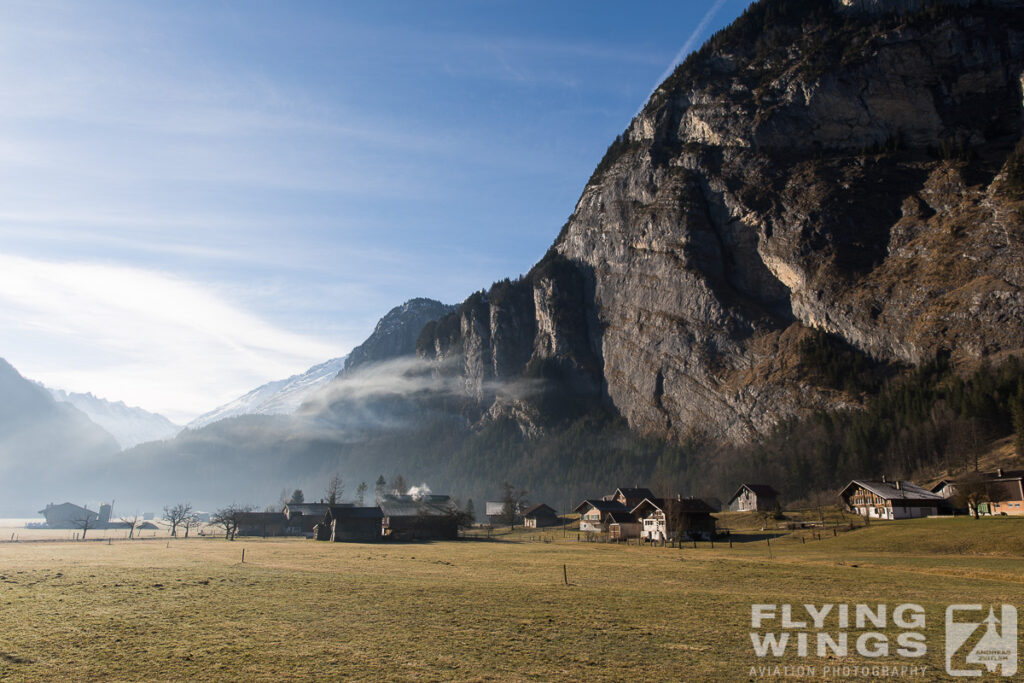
pixel 396 333
pixel 821 164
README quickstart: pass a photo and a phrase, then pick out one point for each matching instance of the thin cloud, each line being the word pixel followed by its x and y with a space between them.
pixel 146 337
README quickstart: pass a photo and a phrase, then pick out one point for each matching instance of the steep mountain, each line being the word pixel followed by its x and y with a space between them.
pixel 394 336
pixel 396 333
pixel 847 167
pixel 281 397
pixel 130 426
pixel 43 442
pixel 802 261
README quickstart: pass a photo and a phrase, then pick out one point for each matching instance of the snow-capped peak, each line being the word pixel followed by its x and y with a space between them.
pixel 280 397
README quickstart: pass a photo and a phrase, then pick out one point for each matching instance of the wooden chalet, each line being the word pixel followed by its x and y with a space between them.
pixel 540 515
pixel 674 519
pixel 754 497
pixel 351 523
pixel 429 517
pixel 69 516
pixel 302 517
pixel 890 499
pixel 261 524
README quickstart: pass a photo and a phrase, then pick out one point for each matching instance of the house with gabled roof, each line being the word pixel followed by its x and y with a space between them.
pixel 593 510
pixel 890 499
pixel 69 516
pixel 539 515
pixel 674 518
pixel 621 525
pixel 753 497
pixel 1004 491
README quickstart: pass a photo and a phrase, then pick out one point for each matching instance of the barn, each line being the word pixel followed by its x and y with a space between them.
pixel 351 523
pixel 408 518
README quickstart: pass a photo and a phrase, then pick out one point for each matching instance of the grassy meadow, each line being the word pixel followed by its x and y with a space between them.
pixel 473 609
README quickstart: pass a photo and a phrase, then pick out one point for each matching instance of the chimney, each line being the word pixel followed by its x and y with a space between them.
pixel 1000 472
pixel 883 478
pixel 899 485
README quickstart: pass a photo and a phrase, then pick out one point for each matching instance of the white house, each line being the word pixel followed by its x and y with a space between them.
pixel 890 499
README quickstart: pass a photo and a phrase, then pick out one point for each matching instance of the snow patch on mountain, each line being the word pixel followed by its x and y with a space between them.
pixel 281 397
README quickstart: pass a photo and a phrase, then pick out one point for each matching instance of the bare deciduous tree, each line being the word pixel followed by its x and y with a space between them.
pixel 971 491
pixel 361 492
pixel 132 523
pixel 229 517
pixel 85 522
pixel 175 515
pixel 191 522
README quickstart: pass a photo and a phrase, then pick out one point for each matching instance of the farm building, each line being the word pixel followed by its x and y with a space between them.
pixel 429 517
pixel 1003 491
pixel 71 516
pixel 351 523
pixel 890 499
pixel 261 524
pixel 539 515
pixel 678 518
pixel 302 517
pixel 592 513
pixel 495 512
pixel 753 497
pixel 621 525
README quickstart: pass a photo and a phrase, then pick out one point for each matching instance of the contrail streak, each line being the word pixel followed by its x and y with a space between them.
pixel 691 42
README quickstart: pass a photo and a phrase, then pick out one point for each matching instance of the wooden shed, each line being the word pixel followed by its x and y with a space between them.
pixel 540 515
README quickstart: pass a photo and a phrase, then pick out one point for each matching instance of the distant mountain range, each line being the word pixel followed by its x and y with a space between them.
pixel 130 426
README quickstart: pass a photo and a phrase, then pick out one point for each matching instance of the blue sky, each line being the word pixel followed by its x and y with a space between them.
pixel 198 197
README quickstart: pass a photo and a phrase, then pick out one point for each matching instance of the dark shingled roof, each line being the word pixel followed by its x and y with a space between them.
pixel 313 509
pixel 637 493
pixel 887 490
pixel 684 505
pixel 601 505
pixel 619 517
pixel 758 489
pixel 540 509
pixel 350 512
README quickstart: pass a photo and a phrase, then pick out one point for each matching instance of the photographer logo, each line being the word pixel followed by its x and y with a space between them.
pixel 977 644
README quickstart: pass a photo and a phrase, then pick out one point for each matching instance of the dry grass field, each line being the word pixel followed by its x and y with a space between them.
pixel 472 609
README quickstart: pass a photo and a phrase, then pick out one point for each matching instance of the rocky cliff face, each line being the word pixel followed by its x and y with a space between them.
pixel 838 165
pixel 396 333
